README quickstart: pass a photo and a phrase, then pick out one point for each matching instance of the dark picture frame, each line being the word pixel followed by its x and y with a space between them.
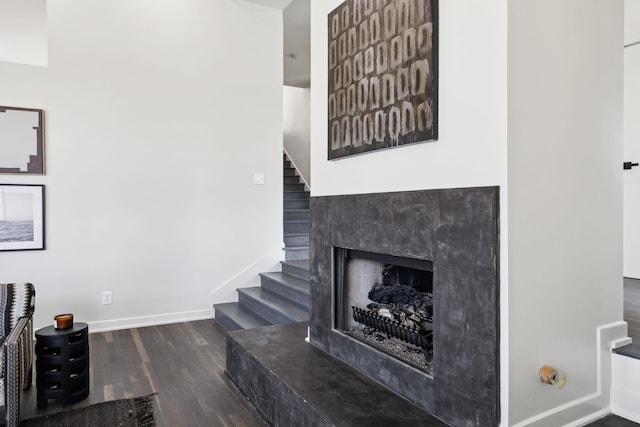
pixel 382 75
pixel 21 141
pixel 21 217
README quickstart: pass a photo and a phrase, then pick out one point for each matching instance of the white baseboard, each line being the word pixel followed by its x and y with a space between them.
pixel 225 292
pixel 596 404
pixel 138 322
pixel 625 387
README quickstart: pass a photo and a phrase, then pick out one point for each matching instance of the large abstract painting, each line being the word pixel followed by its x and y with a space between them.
pixel 383 87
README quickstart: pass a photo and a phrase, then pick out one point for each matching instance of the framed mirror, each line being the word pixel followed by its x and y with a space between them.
pixel 21 141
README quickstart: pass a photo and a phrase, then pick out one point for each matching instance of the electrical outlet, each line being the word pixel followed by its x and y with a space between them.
pixel 107 297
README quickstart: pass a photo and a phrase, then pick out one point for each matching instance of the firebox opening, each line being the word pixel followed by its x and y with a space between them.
pixel 387 302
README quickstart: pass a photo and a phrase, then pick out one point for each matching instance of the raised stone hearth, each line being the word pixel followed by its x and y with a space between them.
pixel 455 229
pixel 293 384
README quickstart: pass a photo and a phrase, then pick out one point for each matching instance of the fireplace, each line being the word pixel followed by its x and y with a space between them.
pixel 439 246
pixel 386 302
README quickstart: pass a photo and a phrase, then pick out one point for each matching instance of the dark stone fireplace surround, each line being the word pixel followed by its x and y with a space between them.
pixel 458 230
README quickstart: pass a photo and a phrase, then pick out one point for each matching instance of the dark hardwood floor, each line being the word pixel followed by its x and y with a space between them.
pixel 182 363
pixel 632 307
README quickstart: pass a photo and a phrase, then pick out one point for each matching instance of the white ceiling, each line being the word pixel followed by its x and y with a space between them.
pixel 23 32
pixel 276 4
pixel 296 18
pixel 297 43
pixel 297 39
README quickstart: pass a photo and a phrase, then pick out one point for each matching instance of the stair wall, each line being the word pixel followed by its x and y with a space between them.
pixel 280 296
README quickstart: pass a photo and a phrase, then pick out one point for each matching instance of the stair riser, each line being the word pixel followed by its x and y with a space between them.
pixel 234 317
pixel 297 240
pixel 291 179
pixel 268 313
pixel 296 272
pixel 284 291
pixel 296 227
pixel 286 164
pixel 296 195
pixel 227 322
pixel 289 172
pixel 294 187
pixel 296 216
pixel 296 204
pixel 296 254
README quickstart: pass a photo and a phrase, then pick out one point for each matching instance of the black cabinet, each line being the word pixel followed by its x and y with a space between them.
pixel 62 364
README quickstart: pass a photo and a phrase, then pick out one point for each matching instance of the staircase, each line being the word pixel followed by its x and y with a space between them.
pixel 625 387
pixel 282 296
pixel 295 214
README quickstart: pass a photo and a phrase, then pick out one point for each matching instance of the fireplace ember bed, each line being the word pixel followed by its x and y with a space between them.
pixel 386 302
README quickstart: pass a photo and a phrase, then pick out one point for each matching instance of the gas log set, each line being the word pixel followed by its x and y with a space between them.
pixel 397 312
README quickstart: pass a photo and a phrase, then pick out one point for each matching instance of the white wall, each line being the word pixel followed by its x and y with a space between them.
pixel 297 132
pixel 565 197
pixel 553 145
pixel 631 21
pixel 631 226
pixel 471 150
pixel 149 159
pixel 631 178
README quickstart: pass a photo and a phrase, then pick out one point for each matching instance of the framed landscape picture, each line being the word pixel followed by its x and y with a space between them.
pixel 21 217
pixel 383 75
pixel 21 141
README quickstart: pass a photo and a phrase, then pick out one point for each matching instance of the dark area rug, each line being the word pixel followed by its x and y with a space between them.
pixel 136 412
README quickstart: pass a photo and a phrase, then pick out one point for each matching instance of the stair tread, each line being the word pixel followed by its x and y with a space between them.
pixel 296 215
pixel 629 350
pixel 296 247
pixel 244 318
pixel 296 227
pixel 295 234
pixel 302 264
pixel 289 309
pixel 296 220
pixel 288 280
